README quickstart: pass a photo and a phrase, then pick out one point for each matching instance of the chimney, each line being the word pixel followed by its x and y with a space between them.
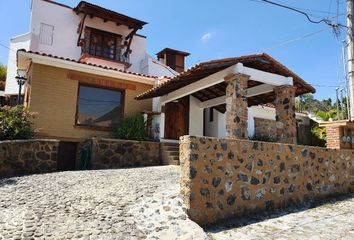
pixel 173 58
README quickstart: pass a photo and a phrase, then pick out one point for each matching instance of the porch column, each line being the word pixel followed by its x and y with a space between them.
pixel 285 114
pixel 236 106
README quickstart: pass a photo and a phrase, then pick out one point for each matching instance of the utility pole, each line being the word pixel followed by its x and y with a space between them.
pixel 342 102
pixel 350 50
pixel 338 113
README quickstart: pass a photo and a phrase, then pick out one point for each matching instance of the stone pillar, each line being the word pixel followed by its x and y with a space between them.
pixel 236 106
pixel 285 114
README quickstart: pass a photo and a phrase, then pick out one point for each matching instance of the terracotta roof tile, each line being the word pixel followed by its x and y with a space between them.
pixel 203 69
pixel 85 63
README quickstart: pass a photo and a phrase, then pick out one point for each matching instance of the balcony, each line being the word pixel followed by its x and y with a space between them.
pixel 104 46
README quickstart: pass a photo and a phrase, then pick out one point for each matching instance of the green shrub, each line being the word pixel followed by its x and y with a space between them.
pixel 16 123
pixel 263 138
pixel 318 136
pixel 131 128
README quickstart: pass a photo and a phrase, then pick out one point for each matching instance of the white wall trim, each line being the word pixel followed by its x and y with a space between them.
pixel 254 91
pixel 264 77
pixel 60 63
pixel 206 82
pixel 218 77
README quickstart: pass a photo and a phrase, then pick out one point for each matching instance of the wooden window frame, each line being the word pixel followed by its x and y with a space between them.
pixel 96 128
pixel 103 35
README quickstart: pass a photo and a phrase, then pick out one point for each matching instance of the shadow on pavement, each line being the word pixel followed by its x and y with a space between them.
pixel 5 181
pixel 249 220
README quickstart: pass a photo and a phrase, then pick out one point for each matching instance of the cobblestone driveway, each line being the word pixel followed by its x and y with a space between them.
pixel 333 220
pixel 109 204
pixel 141 203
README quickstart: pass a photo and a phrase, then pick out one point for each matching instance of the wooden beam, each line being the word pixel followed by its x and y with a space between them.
pixel 251 92
pixel 206 82
pixel 218 77
pixel 264 77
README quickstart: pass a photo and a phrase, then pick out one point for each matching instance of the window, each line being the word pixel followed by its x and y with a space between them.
pixel 46 34
pixel 103 44
pixel 99 107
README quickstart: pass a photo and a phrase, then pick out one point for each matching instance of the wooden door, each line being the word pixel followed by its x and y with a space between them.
pixel 177 118
pixel 67 155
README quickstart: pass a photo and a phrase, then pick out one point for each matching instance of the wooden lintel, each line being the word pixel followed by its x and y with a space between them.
pixel 101 82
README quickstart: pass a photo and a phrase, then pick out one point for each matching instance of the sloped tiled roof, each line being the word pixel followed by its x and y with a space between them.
pixel 262 62
pixel 85 63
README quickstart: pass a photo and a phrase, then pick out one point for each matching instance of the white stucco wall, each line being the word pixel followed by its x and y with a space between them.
pixel 154 67
pixel 195 117
pixel 65 23
pixel 16 43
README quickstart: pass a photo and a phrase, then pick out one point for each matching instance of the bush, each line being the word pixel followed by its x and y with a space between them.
pixel 131 128
pixel 16 123
pixel 263 138
pixel 318 136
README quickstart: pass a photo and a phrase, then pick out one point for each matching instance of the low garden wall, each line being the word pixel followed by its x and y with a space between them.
pixel 111 153
pixel 221 178
pixel 19 157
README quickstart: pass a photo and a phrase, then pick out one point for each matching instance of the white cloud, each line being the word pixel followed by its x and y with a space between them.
pixel 207 36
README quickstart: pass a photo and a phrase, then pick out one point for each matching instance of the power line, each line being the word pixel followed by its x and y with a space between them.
pixel 294 40
pixel 335 26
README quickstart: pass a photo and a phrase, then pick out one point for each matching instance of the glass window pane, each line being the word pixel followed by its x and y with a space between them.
pixel 99 107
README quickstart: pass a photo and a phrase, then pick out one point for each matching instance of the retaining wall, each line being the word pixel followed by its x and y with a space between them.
pixel 28 157
pixel 111 153
pixel 221 178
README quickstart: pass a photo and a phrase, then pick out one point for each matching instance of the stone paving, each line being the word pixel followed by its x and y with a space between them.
pixel 102 204
pixel 332 220
pixel 143 203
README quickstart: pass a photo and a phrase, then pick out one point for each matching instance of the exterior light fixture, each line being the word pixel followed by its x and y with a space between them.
pixel 21 80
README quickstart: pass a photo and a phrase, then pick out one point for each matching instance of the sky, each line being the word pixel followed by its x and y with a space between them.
pixel 224 28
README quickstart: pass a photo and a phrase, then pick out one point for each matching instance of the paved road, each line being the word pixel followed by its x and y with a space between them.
pixel 142 203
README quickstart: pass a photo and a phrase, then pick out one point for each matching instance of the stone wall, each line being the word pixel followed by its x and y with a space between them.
pixel 111 153
pixel 221 178
pixel 28 157
pixel 265 128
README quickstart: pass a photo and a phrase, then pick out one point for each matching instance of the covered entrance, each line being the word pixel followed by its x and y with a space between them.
pixel 176 118
pixel 230 86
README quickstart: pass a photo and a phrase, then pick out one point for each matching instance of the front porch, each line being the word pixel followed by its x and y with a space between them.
pixel 218 99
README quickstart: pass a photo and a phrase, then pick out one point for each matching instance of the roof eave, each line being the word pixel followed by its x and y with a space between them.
pixel 25 58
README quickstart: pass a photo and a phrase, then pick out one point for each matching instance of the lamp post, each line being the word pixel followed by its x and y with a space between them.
pixel 21 80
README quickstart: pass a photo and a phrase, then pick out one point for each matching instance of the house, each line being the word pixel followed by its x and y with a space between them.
pixel 84 67
pixel 87 67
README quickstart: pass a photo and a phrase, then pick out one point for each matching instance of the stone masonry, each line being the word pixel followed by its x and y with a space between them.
pixel 28 157
pixel 285 114
pixel 112 153
pixel 221 178
pixel 236 106
pixel 265 127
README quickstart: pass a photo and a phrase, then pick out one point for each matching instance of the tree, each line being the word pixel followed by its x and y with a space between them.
pixel 3 72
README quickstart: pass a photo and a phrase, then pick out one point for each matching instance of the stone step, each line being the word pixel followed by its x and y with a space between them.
pixel 173 153
pixel 170 148
pixel 170 153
